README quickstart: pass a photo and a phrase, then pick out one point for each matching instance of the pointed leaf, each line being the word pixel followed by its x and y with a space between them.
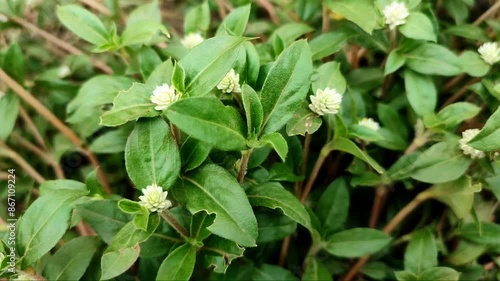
pixel 152 155
pixel 357 242
pixel 212 189
pixel 286 86
pixel 179 264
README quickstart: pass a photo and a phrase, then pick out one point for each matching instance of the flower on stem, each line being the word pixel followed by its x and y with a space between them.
pixel 325 101
pixel 154 198
pixel 163 96
pixel 230 83
pixel 191 40
pixel 369 123
pixel 467 135
pixel 490 52
pixel 63 71
pixel 395 14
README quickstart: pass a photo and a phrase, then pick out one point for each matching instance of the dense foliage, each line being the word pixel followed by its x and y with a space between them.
pixel 229 140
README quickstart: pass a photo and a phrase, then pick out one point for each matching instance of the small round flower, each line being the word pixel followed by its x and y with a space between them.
pixel 490 52
pixel 325 101
pixel 154 198
pixel 467 135
pixel 191 40
pixel 163 96
pixel 230 83
pixel 395 14
pixel 369 123
pixel 3 18
pixel 63 71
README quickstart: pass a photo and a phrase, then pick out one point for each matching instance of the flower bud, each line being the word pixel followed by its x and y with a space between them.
pixel 154 198
pixel 191 40
pixel 490 52
pixel 230 83
pixel 163 96
pixel 395 14
pixel 467 135
pixel 369 123
pixel 325 101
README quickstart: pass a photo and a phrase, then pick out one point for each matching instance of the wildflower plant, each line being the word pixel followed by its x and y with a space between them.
pixel 249 140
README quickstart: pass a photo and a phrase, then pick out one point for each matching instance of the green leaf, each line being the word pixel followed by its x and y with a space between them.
pixel 208 120
pixel 197 19
pixel 84 111
pixel 268 272
pixel 116 262
pixel 486 234
pixel 124 249
pixel 315 271
pixel 130 105
pixel 104 217
pixel 199 223
pixel 274 226
pixel 421 252
pixel 219 253
pixel 473 64
pixel 333 206
pixel 452 115
pixel 433 59
pixel 361 12
pixel 148 61
pixel 489 137
pixel 46 220
pixel 142 24
pixel 179 78
pixel 193 153
pixel 418 26
pixel 421 92
pixel 84 24
pixel 440 274
pixel 273 195
pixel 356 242
pixel 443 156
pixel 468 31
pixel 286 86
pixel 161 74
pixel 179 264
pixel 212 189
pixel 458 195
pixel 306 9
pixel 390 118
pixel 9 109
pixel 328 75
pixel 348 146
pixel 152 155
pixel 327 44
pixel 71 261
pixel 111 142
pixel 207 63
pixel 277 142
pixel 253 109
pixel 13 63
pixel 395 61
pixel 303 122
pixel 405 276
pixel 236 22
pixel 289 32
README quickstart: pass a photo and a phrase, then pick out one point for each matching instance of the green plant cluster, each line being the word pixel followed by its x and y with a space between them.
pixel 229 140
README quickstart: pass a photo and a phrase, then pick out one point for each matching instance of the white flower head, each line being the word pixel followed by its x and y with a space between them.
pixel 163 96
pixel 2 94
pixel 490 52
pixel 191 40
pixel 230 83
pixel 325 101
pixel 3 18
pixel 369 123
pixel 395 14
pixel 467 135
pixel 154 198
pixel 63 71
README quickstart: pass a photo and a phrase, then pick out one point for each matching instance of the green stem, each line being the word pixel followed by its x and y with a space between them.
pixel 325 151
pixel 165 214
pixel 244 165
